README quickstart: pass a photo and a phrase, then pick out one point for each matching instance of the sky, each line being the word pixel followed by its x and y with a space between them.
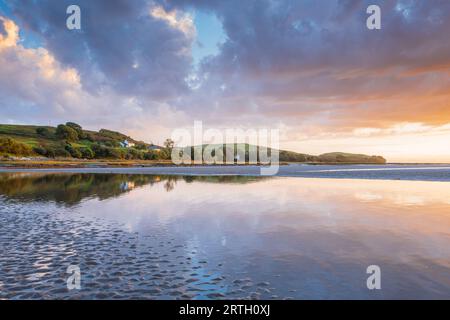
pixel 311 69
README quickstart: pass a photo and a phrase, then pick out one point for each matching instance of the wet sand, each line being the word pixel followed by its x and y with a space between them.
pixel 39 243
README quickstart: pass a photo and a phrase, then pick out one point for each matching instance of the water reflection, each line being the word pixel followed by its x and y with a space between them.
pixel 214 237
pixel 71 189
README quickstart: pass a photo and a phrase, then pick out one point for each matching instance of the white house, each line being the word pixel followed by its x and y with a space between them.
pixel 126 144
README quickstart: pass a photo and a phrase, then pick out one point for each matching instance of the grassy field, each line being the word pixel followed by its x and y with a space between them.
pixel 27 134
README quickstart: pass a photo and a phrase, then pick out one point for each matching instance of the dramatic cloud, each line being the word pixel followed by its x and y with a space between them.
pixel 35 76
pixel 36 88
pixel 309 67
pixel 135 47
pixel 301 60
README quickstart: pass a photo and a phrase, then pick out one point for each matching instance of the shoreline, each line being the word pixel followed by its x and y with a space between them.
pixel 438 173
pixel 106 163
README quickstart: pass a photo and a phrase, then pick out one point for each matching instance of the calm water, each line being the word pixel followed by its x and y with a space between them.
pixel 431 172
pixel 185 237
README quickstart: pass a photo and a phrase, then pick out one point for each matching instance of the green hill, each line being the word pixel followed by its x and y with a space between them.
pixel 290 156
pixel 350 158
pixel 70 140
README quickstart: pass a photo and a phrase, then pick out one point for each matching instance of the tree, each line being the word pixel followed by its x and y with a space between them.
pixel 134 154
pixel 166 153
pixel 40 150
pixel 42 131
pixel 11 146
pixel 74 126
pixel 57 151
pixel 74 152
pixel 87 153
pixel 66 132
pixel 150 155
pixel 141 146
pixel 99 150
pixel 78 129
pixel 168 144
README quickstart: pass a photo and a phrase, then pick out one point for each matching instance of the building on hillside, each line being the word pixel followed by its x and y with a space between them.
pixel 126 144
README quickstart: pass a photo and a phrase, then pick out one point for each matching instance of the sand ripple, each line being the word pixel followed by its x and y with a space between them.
pixel 39 241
